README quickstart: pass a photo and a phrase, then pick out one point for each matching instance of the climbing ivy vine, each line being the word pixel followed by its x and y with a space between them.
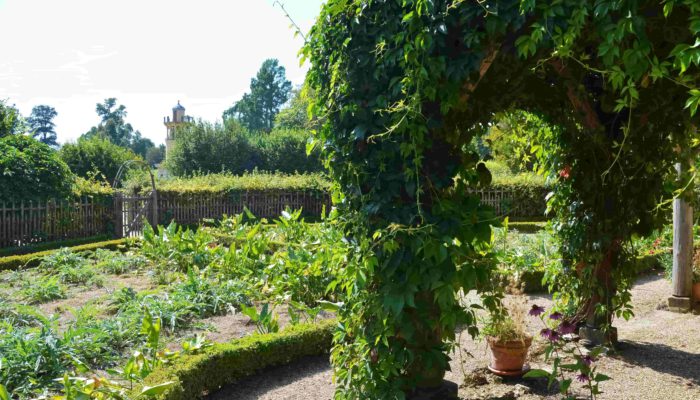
pixel 404 85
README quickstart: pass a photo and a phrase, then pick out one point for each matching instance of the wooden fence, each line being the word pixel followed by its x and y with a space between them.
pixel 515 204
pixel 191 209
pixel 28 222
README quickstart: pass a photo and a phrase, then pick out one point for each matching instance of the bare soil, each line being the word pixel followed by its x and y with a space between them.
pixel 658 358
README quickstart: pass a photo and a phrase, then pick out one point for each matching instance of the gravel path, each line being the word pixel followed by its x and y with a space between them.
pixel 658 358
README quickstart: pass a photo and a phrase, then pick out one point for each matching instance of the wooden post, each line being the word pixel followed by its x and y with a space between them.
pixel 682 253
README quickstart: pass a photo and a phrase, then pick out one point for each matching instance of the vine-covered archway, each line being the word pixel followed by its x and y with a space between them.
pixel 403 86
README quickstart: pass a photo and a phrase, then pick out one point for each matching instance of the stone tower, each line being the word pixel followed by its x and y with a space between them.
pixel 178 119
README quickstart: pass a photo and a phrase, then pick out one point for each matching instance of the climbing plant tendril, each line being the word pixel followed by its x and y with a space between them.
pixel 404 85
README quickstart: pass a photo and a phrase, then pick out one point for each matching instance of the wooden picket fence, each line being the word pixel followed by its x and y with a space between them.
pixel 514 205
pixel 190 209
pixel 28 222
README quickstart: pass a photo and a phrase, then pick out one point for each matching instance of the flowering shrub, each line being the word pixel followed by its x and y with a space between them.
pixel 569 360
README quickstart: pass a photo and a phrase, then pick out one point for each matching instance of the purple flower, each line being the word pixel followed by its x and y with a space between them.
pixel 588 360
pixel 555 316
pixel 566 327
pixel 536 310
pixel 550 334
pixel 582 377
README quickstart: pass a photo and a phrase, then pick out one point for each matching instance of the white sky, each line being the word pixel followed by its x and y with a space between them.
pixel 72 54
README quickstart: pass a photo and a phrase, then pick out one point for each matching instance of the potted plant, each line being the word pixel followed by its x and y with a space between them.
pixel 508 339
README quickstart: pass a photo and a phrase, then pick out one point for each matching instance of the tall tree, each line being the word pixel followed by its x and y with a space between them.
pixel 10 120
pixel 269 90
pixel 109 111
pixel 114 128
pixel 41 124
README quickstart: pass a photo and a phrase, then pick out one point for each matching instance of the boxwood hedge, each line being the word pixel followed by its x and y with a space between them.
pixel 33 259
pixel 194 376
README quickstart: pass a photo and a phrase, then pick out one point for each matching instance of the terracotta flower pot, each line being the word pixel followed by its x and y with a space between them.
pixel 508 357
pixel 696 291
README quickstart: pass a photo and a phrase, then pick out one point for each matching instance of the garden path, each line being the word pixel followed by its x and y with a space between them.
pixel 658 358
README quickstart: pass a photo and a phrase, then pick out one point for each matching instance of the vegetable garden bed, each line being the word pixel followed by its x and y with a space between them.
pixel 100 310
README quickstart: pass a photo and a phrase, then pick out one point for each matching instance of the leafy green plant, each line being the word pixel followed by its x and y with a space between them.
pixel 117 263
pixel 265 321
pixel 560 352
pixel 43 289
pixel 174 248
pixel 297 311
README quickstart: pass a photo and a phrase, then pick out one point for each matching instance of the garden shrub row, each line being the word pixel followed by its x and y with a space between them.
pixel 226 183
pixel 193 376
pixel 34 248
pixel 34 259
pixel 527 226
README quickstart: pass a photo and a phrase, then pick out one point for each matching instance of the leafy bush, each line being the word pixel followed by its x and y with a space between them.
pixel 203 147
pixel 96 155
pixel 32 170
pixel 285 151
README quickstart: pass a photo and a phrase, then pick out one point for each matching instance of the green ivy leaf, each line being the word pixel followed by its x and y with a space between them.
pixel 693 102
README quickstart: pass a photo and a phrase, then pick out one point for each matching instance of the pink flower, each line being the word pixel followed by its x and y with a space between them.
pixel 536 310
pixel 566 327
pixel 550 334
pixel 588 360
pixel 582 377
pixel 555 316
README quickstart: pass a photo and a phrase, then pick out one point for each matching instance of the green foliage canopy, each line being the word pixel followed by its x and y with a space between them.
pixel 31 170
pixel 269 90
pixel 96 157
pixel 41 124
pixel 405 85
pixel 114 128
pixel 296 115
pixel 203 147
pixel 206 147
pixel 10 120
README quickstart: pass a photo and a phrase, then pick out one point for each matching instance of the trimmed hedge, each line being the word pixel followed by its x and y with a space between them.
pixel 225 183
pixel 34 248
pixel 527 226
pixel 223 364
pixel 34 259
